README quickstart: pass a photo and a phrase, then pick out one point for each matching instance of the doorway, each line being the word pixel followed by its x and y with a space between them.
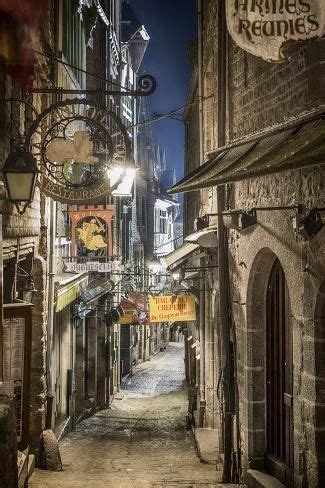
pixel 279 378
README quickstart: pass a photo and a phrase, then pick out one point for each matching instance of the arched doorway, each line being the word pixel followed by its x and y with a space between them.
pixel 279 378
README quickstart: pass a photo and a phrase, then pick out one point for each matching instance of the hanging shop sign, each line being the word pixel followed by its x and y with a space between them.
pixel 66 293
pixel 265 27
pixel 92 266
pixel 76 143
pixel 17 363
pixel 172 308
pixel 91 230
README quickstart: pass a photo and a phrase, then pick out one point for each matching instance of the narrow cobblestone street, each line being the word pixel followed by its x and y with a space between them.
pixel 141 442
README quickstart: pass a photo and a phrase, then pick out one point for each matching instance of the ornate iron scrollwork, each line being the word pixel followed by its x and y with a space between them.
pixel 147 85
pixel 75 143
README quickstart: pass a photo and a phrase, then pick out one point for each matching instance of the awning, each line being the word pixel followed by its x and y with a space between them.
pixel 130 318
pixel 181 253
pixel 165 204
pixel 69 288
pixel 96 289
pixel 290 147
pixel 128 306
pixel 139 299
pixel 205 238
pixel 191 275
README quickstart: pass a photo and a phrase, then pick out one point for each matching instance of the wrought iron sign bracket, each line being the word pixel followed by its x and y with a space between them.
pixel 81 148
pixel 146 86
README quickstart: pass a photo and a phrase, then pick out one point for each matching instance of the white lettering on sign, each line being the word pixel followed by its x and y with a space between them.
pixel 265 27
pixel 72 267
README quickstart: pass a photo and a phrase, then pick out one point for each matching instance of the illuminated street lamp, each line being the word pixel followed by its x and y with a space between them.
pixel 122 176
pixel 155 266
pixel 20 176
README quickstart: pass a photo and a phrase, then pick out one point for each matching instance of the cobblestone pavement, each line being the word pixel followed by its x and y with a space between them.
pixel 141 442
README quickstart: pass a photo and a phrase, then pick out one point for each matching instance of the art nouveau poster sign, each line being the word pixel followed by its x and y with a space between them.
pixel 265 27
pixel 172 308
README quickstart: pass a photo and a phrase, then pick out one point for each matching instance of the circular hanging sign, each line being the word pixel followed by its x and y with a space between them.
pixel 75 143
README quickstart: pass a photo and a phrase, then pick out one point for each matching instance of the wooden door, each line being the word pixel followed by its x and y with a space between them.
pixel 279 456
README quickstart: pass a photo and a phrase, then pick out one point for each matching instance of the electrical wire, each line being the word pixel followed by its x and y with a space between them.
pixel 58 60
pixel 168 114
pixel 113 83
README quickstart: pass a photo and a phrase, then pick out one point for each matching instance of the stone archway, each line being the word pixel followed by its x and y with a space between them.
pixel 254 403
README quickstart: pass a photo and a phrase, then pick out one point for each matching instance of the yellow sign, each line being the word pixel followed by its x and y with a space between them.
pixel 172 308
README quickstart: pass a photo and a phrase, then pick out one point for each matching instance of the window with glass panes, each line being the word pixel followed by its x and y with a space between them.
pixel 161 221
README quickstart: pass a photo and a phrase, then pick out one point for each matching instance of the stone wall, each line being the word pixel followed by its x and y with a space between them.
pixel 252 254
pixel 192 154
pixel 8 444
pixel 260 95
pixel 271 93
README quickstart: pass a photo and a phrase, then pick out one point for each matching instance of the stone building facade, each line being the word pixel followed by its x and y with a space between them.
pixel 75 365
pixel 275 273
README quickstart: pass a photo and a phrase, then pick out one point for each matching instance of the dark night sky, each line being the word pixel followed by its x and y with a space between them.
pixel 170 24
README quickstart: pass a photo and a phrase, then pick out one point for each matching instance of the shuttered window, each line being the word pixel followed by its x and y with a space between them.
pixel 73 42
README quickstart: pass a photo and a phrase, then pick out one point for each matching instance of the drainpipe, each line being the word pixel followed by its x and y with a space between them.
pixel 50 322
pixel 202 274
pixel 224 319
pixel 224 324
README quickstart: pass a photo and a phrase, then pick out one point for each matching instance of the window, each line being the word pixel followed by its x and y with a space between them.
pixel 73 43
pixel 161 221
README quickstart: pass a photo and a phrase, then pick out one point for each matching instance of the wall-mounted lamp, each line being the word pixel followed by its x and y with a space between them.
pixel 20 176
pixel 309 225
pixel 201 222
pixel 122 176
pixel 28 290
pixel 240 220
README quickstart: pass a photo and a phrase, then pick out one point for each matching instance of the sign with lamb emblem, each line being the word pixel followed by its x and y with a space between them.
pixel 264 28
pixel 76 143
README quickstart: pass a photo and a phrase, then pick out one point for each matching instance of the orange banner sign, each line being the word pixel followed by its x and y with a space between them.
pixel 172 308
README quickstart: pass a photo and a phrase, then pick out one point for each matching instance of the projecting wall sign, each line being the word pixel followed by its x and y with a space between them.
pixel 265 27
pixel 75 143
pixel 98 267
pixel 172 308
pixel 92 229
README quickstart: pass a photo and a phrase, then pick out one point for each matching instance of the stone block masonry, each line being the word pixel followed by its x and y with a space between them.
pixel 8 443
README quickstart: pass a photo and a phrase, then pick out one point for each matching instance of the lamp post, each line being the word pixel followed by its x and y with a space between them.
pixel 20 176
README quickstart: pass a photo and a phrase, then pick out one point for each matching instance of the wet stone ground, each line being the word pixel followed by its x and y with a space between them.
pixel 141 442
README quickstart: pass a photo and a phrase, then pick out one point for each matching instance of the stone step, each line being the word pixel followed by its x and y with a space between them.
pixel 258 479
